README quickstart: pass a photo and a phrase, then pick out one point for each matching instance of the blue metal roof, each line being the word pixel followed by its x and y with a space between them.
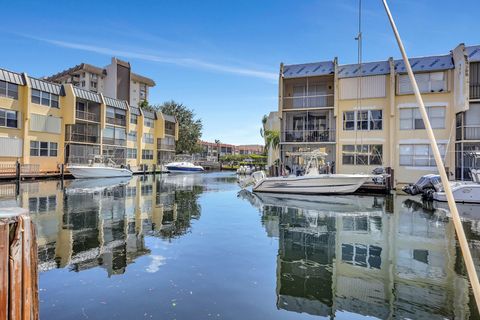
pixel 367 69
pixel 308 69
pixel 432 63
pixel 46 86
pixel 473 53
pixel 120 104
pixel 87 95
pixel 12 77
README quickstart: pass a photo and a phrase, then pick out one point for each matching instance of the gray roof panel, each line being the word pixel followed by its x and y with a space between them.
pixel 135 110
pixel 169 118
pixel 116 103
pixel 473 53
pixel 46 86
pixel 87 95
pixel 149 114
pixel 12 77
pixel 432 63
pixel 367 69
pixel 308 69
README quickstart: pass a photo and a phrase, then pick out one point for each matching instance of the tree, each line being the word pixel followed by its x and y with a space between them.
pixel 190 129
pixel 217 142
pixel 272 139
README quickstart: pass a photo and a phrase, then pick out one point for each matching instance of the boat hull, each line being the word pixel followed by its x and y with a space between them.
pixel 320 184
pixel 85 172
pixel 184 169
pixel 462 192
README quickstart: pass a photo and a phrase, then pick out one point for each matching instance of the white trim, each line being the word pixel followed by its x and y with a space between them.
pixel 363 140
pixel 365 108
pixel 427 104
pixel 419 141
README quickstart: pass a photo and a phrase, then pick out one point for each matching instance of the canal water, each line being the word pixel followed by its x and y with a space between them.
pixel 196 247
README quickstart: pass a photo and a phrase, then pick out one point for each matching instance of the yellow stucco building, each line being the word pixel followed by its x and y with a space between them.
pixel 45 124
pixel 366 116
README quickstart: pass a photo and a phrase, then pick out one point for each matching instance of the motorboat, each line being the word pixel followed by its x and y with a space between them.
pixel 431 188
pixel 98 169
pixel 244 170
pixel 184 167
pixel 311 182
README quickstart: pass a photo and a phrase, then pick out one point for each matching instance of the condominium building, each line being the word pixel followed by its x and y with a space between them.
pixel 115 80
pixel 211 150
pixel 365 116
pixel 46 124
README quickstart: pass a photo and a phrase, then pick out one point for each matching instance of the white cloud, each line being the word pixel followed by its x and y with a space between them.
pixel 156 263
pixel 184 62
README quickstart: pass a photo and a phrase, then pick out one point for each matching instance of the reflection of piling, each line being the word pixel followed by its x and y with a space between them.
pixel 18 265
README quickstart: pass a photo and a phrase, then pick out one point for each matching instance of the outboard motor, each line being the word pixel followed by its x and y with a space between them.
pixel 423 185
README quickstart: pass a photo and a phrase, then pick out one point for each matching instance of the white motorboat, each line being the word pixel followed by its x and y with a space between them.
pixel 98 168
pixel 184 167
pixel 94 185
pixel 312 182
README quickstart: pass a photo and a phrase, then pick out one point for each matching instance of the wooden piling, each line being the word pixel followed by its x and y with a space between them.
pixel 18 265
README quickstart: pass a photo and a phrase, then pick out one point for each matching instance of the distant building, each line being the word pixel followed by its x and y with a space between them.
pixel 211 150
pixel 115 80
pixel 272 124
pixel 366 116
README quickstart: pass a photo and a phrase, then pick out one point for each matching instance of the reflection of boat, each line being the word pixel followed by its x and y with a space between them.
pixel 468 211
pixel 94 185
pixel 184 166
pixel 98 169
pixel 312 182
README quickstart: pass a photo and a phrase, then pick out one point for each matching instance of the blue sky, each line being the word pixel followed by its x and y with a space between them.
pixel 221 58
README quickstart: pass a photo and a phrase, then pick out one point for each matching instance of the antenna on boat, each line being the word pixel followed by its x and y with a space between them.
pixel 467 256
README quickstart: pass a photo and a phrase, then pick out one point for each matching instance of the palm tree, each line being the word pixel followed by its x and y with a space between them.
pixel 264 122
pixel 272 139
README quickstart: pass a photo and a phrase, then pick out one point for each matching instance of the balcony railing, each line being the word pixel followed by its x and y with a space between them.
pixel 116 121
pixel 85 115
pixel 165 146
pixel 115 142
pixel 80 137
pixel 306 102
pixel 170 131
pixel 474 90
pixel 309 135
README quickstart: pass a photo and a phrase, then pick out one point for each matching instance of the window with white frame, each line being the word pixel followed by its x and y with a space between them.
pixel 147 154
pixel 45 98
pixel 413 155
pixel 363 120
pixel 8 118
pixel 132 136
pixel 427 82
pixel 131 153
pixel 133 118
pixel 149 122
pixel 9 90
pixel 43 149
pixel 148 138
pixel 366 154
pixel 411 119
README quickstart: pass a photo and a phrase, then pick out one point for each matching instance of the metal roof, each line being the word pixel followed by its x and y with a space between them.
pixel 149 114
pixel 87 95
pixel 168 117
pixel 46 86
pixel 120 104
pixel 367 69
pixel 308 69
pixel 135 110
pixel 431 63
pixel 473 53
pixel 12 77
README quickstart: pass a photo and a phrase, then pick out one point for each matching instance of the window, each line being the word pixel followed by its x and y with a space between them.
pixel 419 155
pixel 366 154
pixel 131 153
pixel 43 149
pixel 357 254
pixel 9 90
pixel 427 82
pixel 83 83
pixel 93 84
pixel 147 154
pixel 149 123
pixel 45 98
pixel 133 118
pixel 8 119
pixel 363 120
pixel 410 118
pixel 132 136
pixel 148 138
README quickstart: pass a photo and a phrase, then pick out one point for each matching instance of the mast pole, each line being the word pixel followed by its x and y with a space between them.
pixel 467 256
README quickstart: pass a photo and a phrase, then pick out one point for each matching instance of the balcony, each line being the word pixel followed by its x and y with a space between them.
pixel 165 146
pixel 309 136
pixel 474 91
pixel 82 132
pixel 471 132
pixel 116 121
pixel 308 102
pixel 115 142
pixel 88 116
pixel 80 137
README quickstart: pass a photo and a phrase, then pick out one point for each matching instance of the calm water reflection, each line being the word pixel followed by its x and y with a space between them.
pixel 193 247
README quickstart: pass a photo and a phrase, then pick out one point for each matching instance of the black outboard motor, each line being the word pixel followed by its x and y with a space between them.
pixel 423 185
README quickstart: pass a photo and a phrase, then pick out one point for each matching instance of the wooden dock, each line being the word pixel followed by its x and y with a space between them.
pixel 18 265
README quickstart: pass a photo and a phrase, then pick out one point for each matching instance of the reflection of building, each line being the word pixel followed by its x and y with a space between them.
pixel 367 261
pixel 104 226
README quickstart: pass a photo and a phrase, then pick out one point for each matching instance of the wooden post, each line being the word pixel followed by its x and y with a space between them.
pixel 18 265
pixel 17 170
